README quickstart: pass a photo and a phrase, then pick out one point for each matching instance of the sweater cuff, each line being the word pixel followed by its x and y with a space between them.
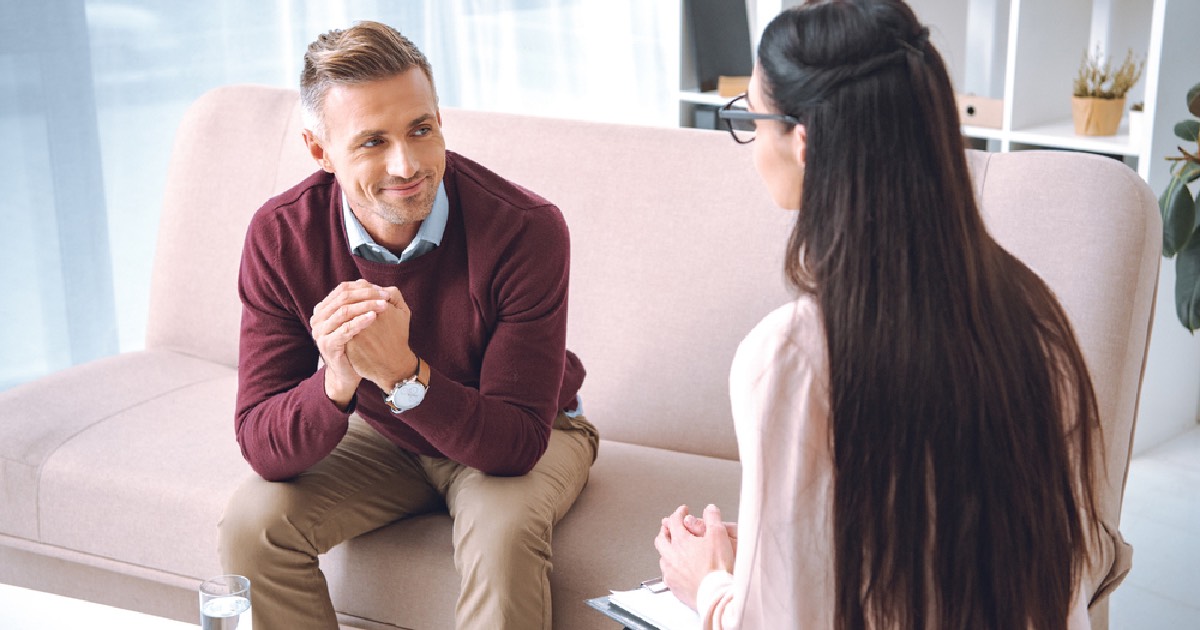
pixel 715 586
pixel 316 391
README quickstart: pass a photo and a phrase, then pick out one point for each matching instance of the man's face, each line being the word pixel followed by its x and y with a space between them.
pixel 383 141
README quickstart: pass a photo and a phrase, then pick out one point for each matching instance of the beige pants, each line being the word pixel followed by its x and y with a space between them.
pixel 274 532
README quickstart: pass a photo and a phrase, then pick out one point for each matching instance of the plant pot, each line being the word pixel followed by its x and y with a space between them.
pixel 1097 116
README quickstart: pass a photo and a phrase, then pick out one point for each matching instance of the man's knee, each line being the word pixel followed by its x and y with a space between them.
pixel 504 540
pixel 259 518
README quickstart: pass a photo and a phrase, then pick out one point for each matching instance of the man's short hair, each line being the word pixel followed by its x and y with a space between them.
pixel 367 51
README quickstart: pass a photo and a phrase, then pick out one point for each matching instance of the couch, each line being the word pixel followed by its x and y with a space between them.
pixel 113 474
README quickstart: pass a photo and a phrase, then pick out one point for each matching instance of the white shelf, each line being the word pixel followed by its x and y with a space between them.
pixel 702 98
pixel 987 133
pixel 1061 135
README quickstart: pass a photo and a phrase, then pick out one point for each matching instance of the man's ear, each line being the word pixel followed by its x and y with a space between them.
pixel 316 150
pixel 799 144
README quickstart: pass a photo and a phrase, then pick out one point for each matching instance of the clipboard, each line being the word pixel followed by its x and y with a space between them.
pixel 651 606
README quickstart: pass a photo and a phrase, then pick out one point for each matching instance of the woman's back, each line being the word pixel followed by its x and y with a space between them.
pixel 785 574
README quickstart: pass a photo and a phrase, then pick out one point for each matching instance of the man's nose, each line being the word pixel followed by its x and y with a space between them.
pixel 401 161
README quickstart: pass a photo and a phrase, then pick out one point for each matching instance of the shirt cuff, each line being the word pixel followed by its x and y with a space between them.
pixel 577 411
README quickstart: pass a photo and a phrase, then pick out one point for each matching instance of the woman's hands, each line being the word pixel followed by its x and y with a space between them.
pixel 691 548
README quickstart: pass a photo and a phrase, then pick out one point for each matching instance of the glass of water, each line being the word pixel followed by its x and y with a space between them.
pixel 225 603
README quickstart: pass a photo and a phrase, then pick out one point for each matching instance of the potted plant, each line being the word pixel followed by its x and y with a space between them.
pixel 1099 93
pixel 1181 237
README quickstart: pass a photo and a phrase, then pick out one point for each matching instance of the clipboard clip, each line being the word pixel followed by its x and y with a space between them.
pixel 657 585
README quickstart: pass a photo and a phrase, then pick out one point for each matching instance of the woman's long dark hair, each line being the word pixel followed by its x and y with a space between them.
pixel 963 417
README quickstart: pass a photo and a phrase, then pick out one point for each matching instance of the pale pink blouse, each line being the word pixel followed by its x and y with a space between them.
pixel 783 572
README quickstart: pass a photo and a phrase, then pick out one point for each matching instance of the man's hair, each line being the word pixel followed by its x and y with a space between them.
pixel 367 51
pixel 965 430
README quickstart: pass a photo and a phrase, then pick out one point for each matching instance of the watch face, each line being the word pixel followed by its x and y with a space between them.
pixel 408 394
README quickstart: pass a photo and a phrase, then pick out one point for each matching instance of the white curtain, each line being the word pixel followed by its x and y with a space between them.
pixel 91 92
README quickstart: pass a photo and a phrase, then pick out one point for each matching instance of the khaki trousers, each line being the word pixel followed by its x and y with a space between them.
pixel 273 533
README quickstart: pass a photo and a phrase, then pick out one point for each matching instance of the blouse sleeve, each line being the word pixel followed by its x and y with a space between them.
pixel 779 400
pixel 714 596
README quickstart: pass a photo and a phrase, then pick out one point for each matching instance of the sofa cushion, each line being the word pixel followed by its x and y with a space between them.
pixel 61 410
pixel 147 484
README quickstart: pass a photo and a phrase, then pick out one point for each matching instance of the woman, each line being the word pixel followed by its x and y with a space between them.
pixel 917 430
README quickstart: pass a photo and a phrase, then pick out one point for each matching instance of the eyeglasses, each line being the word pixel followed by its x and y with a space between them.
pixel 740 122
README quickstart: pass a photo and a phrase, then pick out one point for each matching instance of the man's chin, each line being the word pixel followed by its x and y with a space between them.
pixel 405 214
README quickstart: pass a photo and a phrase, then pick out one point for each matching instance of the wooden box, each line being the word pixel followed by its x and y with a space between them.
pixel 980 111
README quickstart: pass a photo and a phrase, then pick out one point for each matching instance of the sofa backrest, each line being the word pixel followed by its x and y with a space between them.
pixel 1090 227
pixel 676 248
pixel 676 252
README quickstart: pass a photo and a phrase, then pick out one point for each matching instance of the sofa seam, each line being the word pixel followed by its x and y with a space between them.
pixel 42 465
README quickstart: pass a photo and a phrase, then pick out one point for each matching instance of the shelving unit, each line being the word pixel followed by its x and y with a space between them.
pixel 1025 52
pixel 691 99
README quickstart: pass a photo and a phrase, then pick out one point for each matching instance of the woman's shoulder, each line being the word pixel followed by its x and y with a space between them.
pixel 790 338
pixel 797 323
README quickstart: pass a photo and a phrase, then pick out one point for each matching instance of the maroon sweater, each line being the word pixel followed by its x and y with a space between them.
pixel 489 315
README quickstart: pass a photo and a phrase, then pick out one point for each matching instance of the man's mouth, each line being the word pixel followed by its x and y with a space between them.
pixel 404 189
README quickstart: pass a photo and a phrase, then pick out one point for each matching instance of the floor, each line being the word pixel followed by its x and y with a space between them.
pixel 1161 519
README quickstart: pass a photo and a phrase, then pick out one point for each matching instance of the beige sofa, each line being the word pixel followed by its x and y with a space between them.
pixel 113 474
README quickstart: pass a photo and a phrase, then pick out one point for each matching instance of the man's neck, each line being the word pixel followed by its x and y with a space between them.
pixel 395 238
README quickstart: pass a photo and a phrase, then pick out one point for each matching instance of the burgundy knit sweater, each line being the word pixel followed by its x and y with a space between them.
pixel 489 315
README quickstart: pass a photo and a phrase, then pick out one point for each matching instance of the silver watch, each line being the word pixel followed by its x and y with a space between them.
pixel 407 393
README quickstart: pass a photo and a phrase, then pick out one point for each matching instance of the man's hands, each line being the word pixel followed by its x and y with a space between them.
pixel 380 352
pixel 690 549
pixel 345 315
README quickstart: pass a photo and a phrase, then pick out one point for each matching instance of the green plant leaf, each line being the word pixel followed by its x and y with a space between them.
pixel 1190 173
pixel 1187 130
pixel 1193 100
pixel 1187 286
pixel 1179 216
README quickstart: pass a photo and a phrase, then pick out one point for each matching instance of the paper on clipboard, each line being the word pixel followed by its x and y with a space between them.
pixel 662 610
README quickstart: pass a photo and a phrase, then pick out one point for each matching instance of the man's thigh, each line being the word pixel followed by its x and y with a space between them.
pixel 365 483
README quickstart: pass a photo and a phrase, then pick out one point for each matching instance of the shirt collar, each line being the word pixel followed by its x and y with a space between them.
pixel 428 236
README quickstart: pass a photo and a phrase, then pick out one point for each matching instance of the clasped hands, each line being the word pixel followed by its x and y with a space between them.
pixel 690 548
pixel 361 331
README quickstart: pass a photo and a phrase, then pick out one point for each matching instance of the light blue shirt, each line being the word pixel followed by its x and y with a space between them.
pixel 428 236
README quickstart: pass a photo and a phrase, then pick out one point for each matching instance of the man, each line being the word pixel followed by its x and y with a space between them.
pixel 402 350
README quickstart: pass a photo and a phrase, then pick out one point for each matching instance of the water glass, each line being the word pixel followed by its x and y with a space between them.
pixel 225 603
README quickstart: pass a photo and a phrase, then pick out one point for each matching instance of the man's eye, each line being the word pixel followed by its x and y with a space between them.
pixel 373 142
pixel 423 131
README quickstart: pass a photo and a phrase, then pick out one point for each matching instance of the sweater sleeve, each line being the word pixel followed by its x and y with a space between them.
pixel 503 426
pixel 284 421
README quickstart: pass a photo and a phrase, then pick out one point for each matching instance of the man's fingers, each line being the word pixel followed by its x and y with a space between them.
pixel 344 294
pixel 393 295
pixel 345 313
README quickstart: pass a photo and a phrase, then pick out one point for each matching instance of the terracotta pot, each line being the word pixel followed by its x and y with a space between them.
pixel 1097 116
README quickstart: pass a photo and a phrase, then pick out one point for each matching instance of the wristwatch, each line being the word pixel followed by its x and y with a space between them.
pixel 407 393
